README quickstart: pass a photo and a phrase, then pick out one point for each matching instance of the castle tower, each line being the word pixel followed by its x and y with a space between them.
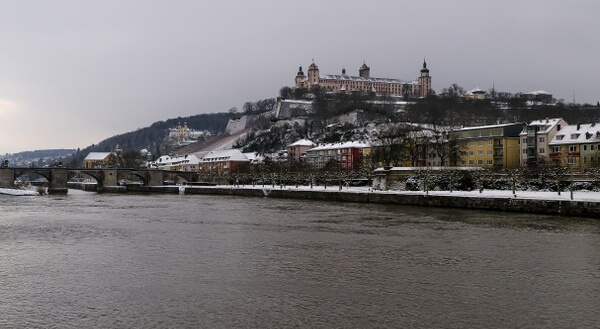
pixel 364 71
pixel 300 78
pixel 313 75
pixel 424 81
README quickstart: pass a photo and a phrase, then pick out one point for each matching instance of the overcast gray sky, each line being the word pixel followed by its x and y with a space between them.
pixel 73 73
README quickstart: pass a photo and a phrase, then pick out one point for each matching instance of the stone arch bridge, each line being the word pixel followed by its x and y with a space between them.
pixel 59 176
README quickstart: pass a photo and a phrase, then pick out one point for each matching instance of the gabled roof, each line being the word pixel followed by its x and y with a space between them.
pixel 96 156
pixel 177 160
pixel 546 125
pixel 225 155
pixel 303 142
pixel 335 146
pixel 587 133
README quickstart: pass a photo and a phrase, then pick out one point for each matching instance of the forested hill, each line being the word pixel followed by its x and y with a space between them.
pixel 151 138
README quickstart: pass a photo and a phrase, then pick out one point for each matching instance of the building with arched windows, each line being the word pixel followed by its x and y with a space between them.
pixel 364 83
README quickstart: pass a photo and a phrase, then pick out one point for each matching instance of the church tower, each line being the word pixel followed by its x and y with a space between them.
pixel 424 81
pixel 364 71
pixel 300 78
pixel 313 75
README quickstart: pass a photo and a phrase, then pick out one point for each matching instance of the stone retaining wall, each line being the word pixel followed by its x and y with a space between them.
pixel 554 207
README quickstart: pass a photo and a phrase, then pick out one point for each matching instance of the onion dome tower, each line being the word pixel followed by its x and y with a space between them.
pixel 424 81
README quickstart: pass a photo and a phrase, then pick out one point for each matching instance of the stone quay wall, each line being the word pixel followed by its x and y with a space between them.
pixel 551 207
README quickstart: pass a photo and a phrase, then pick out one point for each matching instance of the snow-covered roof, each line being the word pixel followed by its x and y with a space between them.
pixel 225 155
pixel 577 134
pixel 476 91
pixel 335 146
pixel 303 142
pixel 538 92
pixel 177 160
pixel 544 125
pixel 296 101
pixel 96 156
pixel 254 157
pixel 489 126
pixel 361 79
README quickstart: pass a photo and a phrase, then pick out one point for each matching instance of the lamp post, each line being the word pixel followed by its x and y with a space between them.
pixel 570 175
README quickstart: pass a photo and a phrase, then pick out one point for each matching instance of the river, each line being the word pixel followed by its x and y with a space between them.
pixel 179 261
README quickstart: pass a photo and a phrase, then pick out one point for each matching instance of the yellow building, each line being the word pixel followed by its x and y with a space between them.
pixel 98 160
pixel 493 147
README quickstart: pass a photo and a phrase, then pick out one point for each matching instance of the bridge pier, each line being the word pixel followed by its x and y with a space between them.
pixel 156 177
pixel 110 178
pixel 7 178
pixel 57 182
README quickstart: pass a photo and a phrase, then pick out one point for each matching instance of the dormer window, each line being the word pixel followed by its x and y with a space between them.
pixel 560 137
pixel 574 136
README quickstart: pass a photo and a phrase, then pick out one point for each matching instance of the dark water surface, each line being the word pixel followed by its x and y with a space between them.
pixel 174 261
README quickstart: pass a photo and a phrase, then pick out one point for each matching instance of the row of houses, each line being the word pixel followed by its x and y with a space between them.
pixel 497 147
pixel 500 146
pixel 514 145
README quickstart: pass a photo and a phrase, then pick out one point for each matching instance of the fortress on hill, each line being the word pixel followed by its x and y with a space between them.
pixel 364 83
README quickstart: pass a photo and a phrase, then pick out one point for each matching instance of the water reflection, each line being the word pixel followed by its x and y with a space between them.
pixel 89 260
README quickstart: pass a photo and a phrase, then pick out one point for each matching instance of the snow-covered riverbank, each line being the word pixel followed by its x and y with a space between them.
pixel 10 191
pixel 588 196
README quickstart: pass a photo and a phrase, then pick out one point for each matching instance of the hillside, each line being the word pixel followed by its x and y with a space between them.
pixel 37 158
pixel 152 138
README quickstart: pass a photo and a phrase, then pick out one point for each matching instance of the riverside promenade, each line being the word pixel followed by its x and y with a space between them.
pixel 584 204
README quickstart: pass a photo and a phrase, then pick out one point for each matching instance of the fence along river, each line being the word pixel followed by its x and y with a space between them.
pixel 104 260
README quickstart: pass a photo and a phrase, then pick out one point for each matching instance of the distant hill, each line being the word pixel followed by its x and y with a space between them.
pixel 37 158
pixel 152 137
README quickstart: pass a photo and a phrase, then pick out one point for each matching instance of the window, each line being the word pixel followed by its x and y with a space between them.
pixel 471 143
pixel 524 151
pixel 489 162
pixel 471 162
pixel 573 148
pixel 592 147
pixel 524 140
pixel 489 152
pixel 489 142
pixel 471 153
pixel 560 137
pixel 479 152
pixel 542 150
pixel 556 149
pixel 585 147
pixel 542 139
pixel 480 143
pixel 480 162
pixel 571 160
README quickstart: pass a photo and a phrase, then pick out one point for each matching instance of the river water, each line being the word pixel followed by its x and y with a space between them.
pixel 176 261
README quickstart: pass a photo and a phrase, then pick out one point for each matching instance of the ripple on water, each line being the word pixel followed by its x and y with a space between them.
pixel 90 260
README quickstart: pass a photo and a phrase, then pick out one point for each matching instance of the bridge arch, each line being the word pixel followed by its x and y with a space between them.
pixel 37 173
pixel 180 177
pixel 95 174
pixel 142 175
